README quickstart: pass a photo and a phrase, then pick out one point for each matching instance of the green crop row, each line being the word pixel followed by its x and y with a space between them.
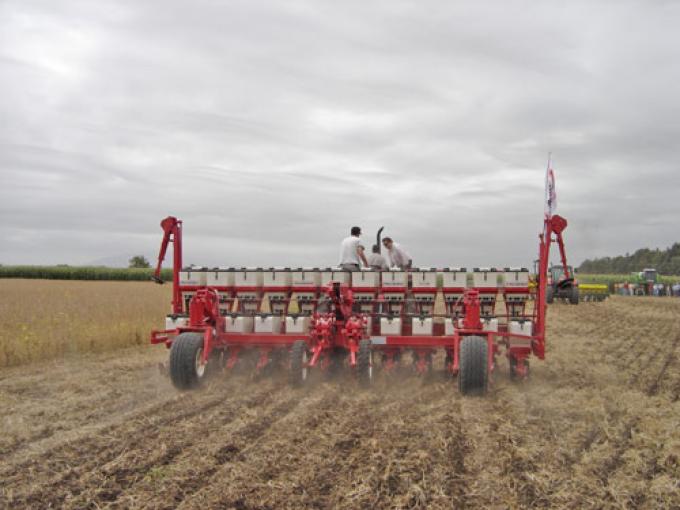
pixel 81 273
pixel 612 279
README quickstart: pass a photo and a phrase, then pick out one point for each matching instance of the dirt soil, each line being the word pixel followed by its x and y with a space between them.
pixel 596 426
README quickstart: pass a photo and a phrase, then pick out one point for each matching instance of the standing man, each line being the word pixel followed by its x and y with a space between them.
pixel 352 252
pixel 397 255
pixel 376 260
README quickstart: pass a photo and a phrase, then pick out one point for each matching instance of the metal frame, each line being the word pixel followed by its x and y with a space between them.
pixel 343 327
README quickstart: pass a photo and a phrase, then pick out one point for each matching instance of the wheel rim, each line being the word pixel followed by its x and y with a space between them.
pixel 200 366
pixel 370 366
pixel 304 365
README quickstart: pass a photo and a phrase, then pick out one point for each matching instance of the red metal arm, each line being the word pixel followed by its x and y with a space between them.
pixel 558 225
pixel 341 297
pixel 172 233
pixel 553 224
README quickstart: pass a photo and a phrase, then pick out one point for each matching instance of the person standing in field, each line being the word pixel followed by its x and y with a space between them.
pixel 397 255
pixel 376 260
pixel 352 251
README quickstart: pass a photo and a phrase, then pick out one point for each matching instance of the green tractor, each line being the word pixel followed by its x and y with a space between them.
pixel 644 281
pixel 561 287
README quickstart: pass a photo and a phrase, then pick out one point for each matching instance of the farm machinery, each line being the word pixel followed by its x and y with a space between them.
pixel 569 289
pixel 643 282
pixel 328 319
pixel 562 284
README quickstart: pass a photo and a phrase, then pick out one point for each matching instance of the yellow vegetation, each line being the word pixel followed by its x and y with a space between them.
pixel 43 319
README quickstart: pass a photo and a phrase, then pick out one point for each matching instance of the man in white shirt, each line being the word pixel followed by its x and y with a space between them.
pixel 352 252
pixel 376 260
pixel 397 255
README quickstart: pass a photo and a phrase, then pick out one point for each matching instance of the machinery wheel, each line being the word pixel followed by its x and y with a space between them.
pixel 186 369
pixel 298 363
pixel 574 296
pixel 549 295
pixel 365 363
pixel 473 376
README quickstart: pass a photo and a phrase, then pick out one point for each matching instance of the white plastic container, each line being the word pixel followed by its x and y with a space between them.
pixel 390 326
pixel 238 324
pixel 422 326
pixel 520 328
pixel 277 278
pixel 220 277
pixel 268 324
pixel 248 277
pixel 484 278
pixel 194 276
pixel 366 278
pixel 454 277
pixel 297 324
pixel 448 326
pixel 487 325
pixel 516 278
pixel 424 278
pixel 173 322
pixel 490 324
pixel 303 278
pixel 394 279
pixel 334 274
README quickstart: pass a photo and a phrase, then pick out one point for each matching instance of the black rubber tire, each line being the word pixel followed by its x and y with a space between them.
pixel 473 376
pixel 364 363
pixel 297 375
pixel 183 373
pixel 574 295
pixel 549 294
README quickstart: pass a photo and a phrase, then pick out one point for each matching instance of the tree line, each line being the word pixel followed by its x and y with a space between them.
pixel 664 261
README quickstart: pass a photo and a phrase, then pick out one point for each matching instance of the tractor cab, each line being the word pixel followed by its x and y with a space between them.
pixel 556 275
pixel 561 285
pixel 649 275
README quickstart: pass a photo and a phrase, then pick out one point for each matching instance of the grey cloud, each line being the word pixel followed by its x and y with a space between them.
pixel 270 128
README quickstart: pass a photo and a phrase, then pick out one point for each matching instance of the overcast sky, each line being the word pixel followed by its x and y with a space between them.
pixel 271 128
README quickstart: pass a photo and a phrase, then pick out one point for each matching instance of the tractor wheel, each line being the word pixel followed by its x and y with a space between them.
pixel 574 295
pixel 549 295
pixel 298 363
pixel 186 368
pixel 365 363
pixel 473 376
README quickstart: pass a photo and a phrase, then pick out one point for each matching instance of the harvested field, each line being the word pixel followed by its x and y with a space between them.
pixel 598 425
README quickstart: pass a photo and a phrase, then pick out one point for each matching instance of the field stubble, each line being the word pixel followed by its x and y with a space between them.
pixel 596 426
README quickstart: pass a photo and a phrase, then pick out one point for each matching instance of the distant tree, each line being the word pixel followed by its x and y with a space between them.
pixel 139 261
pixel 665 261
